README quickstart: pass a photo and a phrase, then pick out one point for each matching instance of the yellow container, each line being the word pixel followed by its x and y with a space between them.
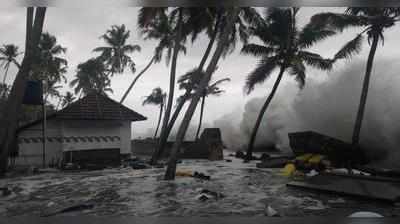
pixel 288 170
pixel 304 157
pixel 316 159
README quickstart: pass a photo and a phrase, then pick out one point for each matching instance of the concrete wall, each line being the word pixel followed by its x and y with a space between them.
pixel 31 147
pixel 72 135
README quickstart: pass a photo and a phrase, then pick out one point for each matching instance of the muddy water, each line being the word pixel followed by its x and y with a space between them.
pixel 125 192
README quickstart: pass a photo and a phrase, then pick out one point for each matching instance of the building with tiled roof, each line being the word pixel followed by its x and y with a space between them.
pixel 94 129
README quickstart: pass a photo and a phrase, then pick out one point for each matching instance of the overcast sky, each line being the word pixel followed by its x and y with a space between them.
pixel 78 29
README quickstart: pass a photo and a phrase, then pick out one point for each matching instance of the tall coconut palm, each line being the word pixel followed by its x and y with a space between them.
pixel 215 22
pixel 154 25
pixel 374 22
pixel 157 97
pixel 8 56
pixel 91 76
pixel 212 90
pixel 116 54
pixel 197 21
pixel 9 122
pixel 231 16
pixel 50 65
pixel 284 47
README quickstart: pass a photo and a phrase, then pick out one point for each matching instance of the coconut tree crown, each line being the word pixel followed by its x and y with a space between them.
pixel 116 54
pixel 91 77
pixel 374 22
pixel 157 97
pixel 8 56
pixel 284 45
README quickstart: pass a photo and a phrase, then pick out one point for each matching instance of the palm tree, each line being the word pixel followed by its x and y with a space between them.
pixel 13 105
pixel 231 16
pixel 115 54
pixel 155 25
pixel 8 56
pixel 284 47
pixel 67 99
pixel 197 20
pixel 49 65
pixel 157 97
pixel 212 90
pixel 91 77
pixel 214 21
pixel 373 21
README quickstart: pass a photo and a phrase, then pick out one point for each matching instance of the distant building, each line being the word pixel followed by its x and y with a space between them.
pixel 94 129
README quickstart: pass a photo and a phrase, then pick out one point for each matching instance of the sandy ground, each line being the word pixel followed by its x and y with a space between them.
pixel 248 191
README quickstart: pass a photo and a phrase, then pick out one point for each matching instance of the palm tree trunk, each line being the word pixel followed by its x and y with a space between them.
pixel 159 120
pixel 136 78
pixel 9 123
pixel 171 169
pixel 364 93
pixel 5 74
pixel 201 117
pixel 261 114
pixel 164 135
pixel 171 86
pixel 164 138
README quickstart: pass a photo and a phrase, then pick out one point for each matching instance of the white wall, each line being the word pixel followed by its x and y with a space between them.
pixel 31 153
pixel 82 128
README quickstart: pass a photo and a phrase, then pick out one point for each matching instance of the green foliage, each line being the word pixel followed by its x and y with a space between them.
pixel 285 46
pixel 115 54
pixel 91 76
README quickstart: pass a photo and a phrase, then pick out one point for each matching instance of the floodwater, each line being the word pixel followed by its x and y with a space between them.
pixel 247 191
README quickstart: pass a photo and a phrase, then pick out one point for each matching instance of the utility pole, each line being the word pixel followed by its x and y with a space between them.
pixel 44 125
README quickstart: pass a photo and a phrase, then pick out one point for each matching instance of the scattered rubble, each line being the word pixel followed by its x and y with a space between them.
pixel 205 194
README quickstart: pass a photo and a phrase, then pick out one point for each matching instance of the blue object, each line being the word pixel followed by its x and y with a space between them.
pixel 33 93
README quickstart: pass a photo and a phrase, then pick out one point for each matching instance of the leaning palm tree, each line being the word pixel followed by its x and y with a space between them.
pixel 8 56
pixel 284 47
pixel 215 21
pixel 154 25
pixel 223 42
pixel 373 21
pixel 212 90
pixel 157 97
pixel 91 76
pixel 115 54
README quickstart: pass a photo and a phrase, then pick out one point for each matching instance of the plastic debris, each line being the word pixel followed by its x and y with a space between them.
pixel 312 173
pixel 201 176
pixel 365 215
pixel 271 212
pixel 288 170
pixel 205 194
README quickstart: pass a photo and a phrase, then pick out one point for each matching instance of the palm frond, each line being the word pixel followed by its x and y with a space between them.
pixel 310 35
pixel 336 21
pixel 260 73
pixel 315 60
pixel 257 50
pixel 299 71
pixel 350 48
